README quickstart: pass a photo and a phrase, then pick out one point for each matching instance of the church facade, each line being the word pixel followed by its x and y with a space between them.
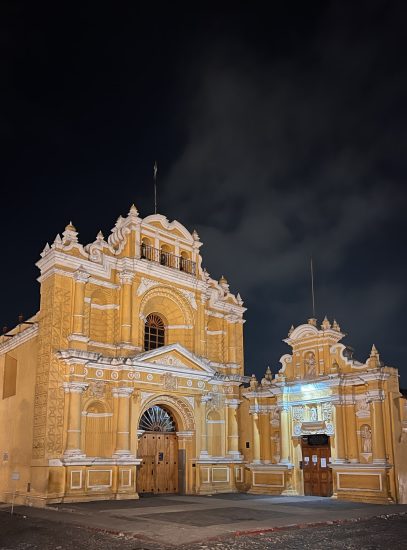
pixel 127 380
pixel 327 424
pixel 130 380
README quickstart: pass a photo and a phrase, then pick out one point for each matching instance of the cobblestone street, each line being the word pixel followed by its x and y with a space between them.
pixel 22 533
pixel 228 521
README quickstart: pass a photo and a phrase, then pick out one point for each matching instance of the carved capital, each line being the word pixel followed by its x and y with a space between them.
pixel 205 399
pixel 233 403
pixel 126 277
pixel 81 276
pixel 75 387
pixel 122 392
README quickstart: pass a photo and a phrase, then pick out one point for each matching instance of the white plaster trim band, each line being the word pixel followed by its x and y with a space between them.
pixel 104 306
pixel 19 339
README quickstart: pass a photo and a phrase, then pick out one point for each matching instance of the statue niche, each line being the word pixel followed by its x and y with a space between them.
pixel 310 366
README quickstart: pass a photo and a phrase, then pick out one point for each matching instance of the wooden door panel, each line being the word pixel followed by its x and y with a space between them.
pixel 158 472
pixel 316 474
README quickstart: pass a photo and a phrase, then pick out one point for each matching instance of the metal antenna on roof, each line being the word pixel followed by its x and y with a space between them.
pixel 312 289
pixel 155 170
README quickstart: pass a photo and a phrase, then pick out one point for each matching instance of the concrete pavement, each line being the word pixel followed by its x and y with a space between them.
pixel 181 520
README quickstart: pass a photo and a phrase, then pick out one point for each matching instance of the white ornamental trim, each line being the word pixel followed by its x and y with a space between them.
pixel 190 296
pixel 18 339
pixel 145 285
pixel 104 306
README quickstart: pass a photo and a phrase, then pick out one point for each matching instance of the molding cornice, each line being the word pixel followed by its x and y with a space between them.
pixel 19 339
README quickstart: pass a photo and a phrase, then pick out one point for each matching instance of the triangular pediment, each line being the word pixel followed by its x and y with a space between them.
pixel 175 357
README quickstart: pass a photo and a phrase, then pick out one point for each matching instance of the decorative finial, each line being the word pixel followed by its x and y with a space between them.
pixel 291 330
pixel 100 236
pixel 312 321
pixel 336 326
pixel 268 374
pixel 224 283
pixel 374 352
pixel 70 227
pixel 195 235
pixel 253 383
pixel 326 325
pixel 133 210
pixel 70 235
pixel 58 239
pixel 239 299
pixel 45 251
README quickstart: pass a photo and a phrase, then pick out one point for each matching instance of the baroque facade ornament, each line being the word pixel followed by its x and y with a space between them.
pixel 96 388
pixel 145 285
pixel 190 296
pixel 170 360
pixel 169 381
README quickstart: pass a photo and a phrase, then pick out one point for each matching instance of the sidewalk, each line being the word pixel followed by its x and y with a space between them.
pixel 176 520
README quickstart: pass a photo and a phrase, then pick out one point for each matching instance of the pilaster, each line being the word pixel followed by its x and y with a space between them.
pixel 73 441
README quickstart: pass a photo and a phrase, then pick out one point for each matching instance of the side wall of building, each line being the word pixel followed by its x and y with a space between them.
pixel 16 417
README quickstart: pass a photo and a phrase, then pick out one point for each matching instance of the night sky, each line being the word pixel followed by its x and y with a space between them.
pixel 279 136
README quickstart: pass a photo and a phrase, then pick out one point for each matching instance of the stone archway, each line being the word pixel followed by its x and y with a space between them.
pixel 162 425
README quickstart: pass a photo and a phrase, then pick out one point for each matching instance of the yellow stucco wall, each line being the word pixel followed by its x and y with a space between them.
pixel 16 418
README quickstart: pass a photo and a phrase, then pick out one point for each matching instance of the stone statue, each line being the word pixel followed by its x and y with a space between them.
pixel 253 383
pixel 310 365
pixel 366 435
pixel 313 414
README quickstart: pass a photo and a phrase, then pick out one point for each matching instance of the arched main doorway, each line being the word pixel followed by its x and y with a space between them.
pixel 158 449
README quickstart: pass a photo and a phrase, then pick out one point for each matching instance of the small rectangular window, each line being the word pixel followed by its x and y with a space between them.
pixel 10 377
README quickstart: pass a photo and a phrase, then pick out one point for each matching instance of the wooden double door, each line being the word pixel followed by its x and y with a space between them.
pixel 158 471
pixel 316 454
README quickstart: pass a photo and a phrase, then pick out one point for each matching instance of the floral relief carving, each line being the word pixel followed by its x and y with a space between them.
pixel 362 408
pixel 327 411
pixel 170 360
pixel 190 296
pixel 169 381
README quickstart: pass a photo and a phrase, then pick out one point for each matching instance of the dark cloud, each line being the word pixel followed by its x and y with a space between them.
pixel 288 159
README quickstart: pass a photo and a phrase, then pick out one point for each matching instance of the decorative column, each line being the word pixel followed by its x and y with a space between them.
pixel 339 435
pixel 73 441
pixel 123 421
pixel 256 439
pixel 266 438
pixel 233 428
pixel 81 278
pixel 231 331
pixel 351 435
pixel 379 447
pixel 126 278
pixel 284 436
pixel 204 434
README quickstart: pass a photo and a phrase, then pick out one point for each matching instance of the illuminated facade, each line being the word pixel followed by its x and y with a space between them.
pixel 327 424
pixel 127 380
pixel 130 380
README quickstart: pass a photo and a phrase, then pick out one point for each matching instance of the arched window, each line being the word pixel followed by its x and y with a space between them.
pixel 154 332
pixel 157 419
